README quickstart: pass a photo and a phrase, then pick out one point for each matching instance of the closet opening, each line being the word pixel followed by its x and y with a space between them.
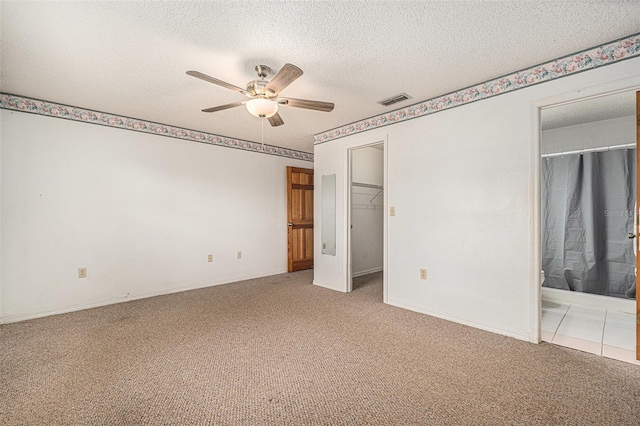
pixel 366 220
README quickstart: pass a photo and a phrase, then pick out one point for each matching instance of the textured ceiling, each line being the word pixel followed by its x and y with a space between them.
pixel 601 108
pixel 130 58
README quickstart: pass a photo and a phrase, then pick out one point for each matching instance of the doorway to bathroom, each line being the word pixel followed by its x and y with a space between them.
pixel 588 224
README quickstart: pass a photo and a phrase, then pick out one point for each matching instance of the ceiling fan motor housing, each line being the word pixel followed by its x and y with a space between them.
pixel 257 87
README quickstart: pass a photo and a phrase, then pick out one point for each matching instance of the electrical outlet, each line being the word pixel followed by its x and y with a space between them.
pixel 210 258
pixel 423 274
pixel 392 211
pixel 239 255
pixel 82 272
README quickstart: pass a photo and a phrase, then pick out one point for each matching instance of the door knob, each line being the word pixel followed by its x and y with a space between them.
pixel 631 236
pixel 291 224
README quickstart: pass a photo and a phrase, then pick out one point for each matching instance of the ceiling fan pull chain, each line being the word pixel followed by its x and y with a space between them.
pixel 262 125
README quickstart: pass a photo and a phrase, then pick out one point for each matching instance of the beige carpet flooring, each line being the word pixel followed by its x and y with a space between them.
pixel 280 351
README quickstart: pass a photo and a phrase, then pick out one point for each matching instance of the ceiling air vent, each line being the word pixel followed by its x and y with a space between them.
pixel 394 99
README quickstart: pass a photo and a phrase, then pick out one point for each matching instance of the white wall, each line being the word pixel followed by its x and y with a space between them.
pixel 597 134
pixel 463 182
pixel 140 212
pixel 366 215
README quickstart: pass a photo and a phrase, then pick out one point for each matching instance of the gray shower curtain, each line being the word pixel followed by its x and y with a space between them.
pixel 587 211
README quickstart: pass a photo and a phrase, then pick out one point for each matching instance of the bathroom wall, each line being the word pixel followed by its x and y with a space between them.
pixel 597 134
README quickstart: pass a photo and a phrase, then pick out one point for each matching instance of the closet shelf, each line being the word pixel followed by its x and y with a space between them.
pixel 367 185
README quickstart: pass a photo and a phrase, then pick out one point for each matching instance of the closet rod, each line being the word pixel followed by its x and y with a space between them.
pixel 367 185
pixel 582 151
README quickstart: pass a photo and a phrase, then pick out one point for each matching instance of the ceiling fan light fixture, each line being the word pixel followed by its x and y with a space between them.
pixel 261 107
pixel 265 94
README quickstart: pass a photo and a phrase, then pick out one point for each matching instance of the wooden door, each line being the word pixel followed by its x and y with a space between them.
pixel 637 222
pixel 299 218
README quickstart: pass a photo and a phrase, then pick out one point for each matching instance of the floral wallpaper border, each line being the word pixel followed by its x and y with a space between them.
pixel 605 54
pixel 51 109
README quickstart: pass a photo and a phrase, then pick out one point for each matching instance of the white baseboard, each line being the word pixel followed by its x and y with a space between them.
pixel 452 318
pixel 366 272
pixel 330 287
pixel 6 319
pixel 587 299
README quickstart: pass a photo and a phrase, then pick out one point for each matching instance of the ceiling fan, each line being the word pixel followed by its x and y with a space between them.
pixel 264 94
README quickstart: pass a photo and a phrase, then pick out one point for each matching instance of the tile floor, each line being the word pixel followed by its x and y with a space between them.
pixel 598 331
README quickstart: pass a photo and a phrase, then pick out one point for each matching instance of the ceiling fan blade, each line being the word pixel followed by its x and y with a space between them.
pixel 209 79
pixel 307 104
pixel 287 75
pixel 275 120
pixel 221 107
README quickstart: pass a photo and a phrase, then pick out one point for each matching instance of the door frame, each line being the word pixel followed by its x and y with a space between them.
pixel 535 218
pixel 637 224
pixel 348 287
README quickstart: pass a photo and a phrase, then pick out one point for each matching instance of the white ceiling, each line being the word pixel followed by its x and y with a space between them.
pixel 130 58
